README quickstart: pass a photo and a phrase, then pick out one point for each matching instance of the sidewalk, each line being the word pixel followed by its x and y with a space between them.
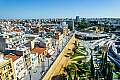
pixel 40 69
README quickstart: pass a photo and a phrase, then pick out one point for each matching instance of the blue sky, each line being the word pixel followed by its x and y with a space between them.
pixel 59 8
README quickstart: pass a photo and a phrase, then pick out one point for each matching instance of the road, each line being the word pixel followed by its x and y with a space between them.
pixel 38 72
pixel 90 45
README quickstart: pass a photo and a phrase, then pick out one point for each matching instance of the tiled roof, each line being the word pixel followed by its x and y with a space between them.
pixel 16 30
pixel 13 57
pixel 38 50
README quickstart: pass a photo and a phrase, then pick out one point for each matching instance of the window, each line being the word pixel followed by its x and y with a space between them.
pixel 24 52
pixel 4 68
pixel 0 78
pixel 17 64
pixel 12 77
pixel 22 68
pixel 43 53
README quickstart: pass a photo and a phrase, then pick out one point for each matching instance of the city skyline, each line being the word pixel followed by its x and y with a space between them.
pixel 59 8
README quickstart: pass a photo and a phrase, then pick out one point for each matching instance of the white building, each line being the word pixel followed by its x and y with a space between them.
pixel 34 61
pixel 20 69
pixel 12 39
pixel 18 65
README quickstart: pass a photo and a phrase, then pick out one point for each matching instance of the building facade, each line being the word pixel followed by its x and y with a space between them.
pixel 7 70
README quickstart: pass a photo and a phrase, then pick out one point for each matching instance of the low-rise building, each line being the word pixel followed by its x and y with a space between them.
pixel 38 55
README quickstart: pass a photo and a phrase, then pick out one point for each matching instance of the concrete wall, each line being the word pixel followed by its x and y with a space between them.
pixel 61 61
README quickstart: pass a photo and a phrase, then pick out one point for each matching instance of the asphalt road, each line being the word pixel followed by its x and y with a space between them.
pixel 40 69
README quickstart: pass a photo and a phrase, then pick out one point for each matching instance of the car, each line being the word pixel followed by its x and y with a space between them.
pixel 91 41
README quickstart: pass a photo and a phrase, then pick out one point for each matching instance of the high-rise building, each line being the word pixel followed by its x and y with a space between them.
pixel 70 24
pixel 77 18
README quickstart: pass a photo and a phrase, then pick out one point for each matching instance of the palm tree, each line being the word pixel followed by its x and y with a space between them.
pixel 77 68
pixel 68 69
pixel 76 71
pixel 59 77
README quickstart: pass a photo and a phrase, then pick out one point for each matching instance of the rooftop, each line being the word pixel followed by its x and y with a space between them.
pixel 3 62
pixel 16 30
pixel 11 56
pixel 38 50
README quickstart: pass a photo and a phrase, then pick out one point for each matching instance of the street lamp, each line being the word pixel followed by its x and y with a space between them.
pixel 92 65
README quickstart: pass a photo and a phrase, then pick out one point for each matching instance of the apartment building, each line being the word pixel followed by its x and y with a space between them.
pixel 59 38
pixel 43 42
pixel 6 69
pixel 31 44
pixel 11 40
pixel 25 52
pixel 38 55
pixel 19 66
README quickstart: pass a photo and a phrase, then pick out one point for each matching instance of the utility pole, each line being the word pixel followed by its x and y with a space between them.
pixel 29 73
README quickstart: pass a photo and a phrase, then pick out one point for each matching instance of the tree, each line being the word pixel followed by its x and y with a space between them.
pixel 83 24
pixel 77 68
